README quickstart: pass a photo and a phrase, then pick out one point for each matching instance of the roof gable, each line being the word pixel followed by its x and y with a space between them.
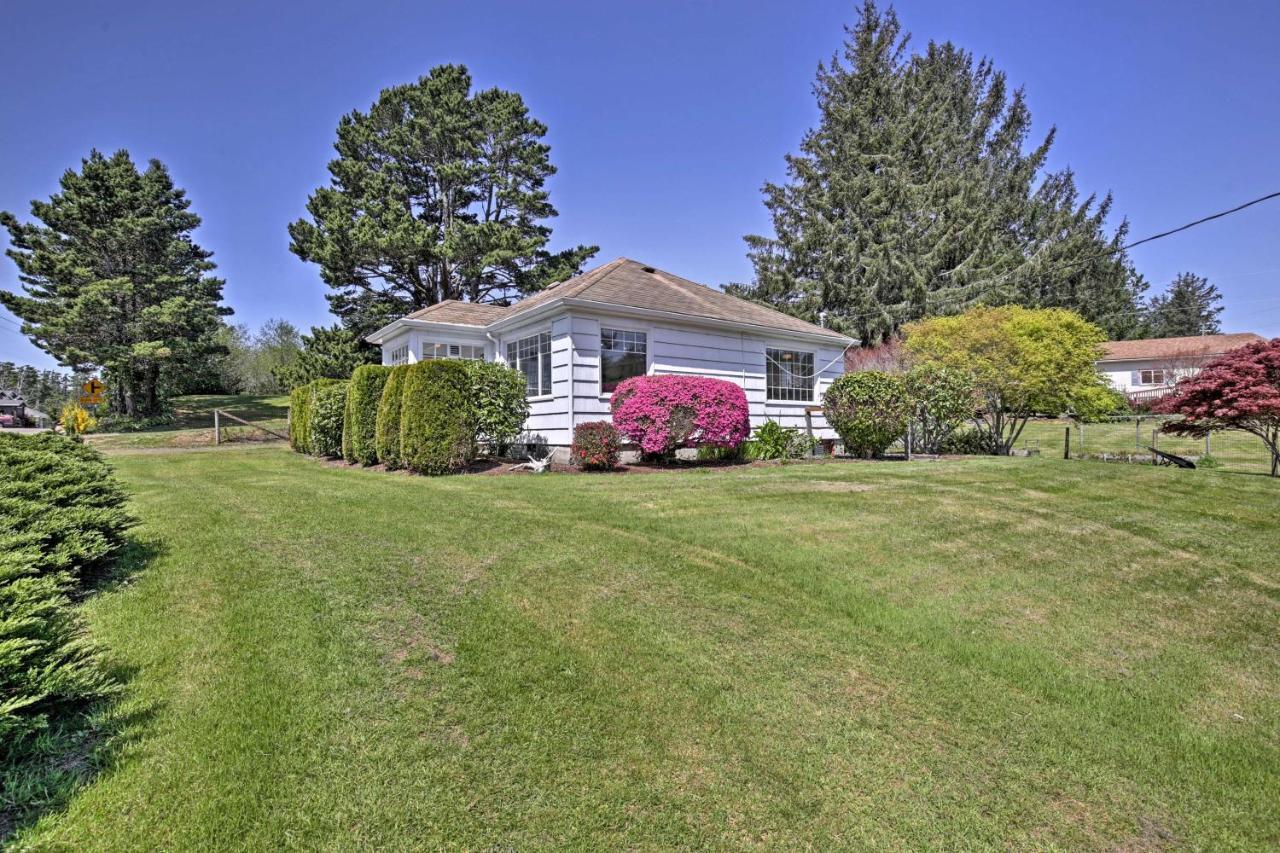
pixel 1195 346
pixel 625 283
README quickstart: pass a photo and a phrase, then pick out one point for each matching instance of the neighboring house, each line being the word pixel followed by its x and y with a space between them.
pixel 1145 369
pixel 12 408
pixel 14 412
pixel 577 339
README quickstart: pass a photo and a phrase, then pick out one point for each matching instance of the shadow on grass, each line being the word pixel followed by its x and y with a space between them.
pixel 41 775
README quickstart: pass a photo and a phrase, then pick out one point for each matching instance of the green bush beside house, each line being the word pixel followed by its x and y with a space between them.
pixel 387 426
pixel 437 421
pixel 360 419
pixel 329 405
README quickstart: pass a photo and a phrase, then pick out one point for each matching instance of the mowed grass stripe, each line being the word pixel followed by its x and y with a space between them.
pixel 990 653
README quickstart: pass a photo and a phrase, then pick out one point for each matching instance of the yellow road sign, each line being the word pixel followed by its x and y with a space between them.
pixel 90 399
pixel 93 388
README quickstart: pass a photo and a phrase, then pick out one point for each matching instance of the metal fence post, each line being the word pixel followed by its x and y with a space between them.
pixel 1066 444
pixel 217 428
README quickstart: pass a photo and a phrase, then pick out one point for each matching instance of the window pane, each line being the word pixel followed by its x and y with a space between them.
pixel 789 375
pixel 622 355
pixel 532 357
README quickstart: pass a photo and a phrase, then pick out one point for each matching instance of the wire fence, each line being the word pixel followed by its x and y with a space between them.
pixel 1130 439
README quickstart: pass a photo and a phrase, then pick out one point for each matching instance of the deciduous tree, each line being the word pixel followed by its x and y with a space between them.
pixel 1238 390
pixel 1023 361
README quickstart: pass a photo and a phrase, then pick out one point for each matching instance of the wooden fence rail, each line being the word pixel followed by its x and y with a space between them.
pixel 219 414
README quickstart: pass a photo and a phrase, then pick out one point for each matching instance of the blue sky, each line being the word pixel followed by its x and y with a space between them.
pixel 665 118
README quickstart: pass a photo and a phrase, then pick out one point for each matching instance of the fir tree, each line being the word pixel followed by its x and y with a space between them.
pixel 437 193
pixel 329 352
pixel 918 194
pixel 113 280
pixel 1190 306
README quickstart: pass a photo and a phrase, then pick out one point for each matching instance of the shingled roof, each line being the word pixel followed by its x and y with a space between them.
pixel 1196 346
pixel 630 284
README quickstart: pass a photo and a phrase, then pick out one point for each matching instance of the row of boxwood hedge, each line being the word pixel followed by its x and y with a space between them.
pixel 430 417
pixel 62 517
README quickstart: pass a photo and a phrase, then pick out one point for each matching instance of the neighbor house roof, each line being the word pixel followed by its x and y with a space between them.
pixel 625 283
pixel 10 398
pixel 1197 346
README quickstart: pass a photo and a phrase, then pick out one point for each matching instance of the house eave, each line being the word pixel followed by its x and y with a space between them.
pixel 829 338
pixel 382 335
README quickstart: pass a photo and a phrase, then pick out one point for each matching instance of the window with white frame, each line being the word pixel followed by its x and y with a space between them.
pixel 400 355
pixel 623 354
pixel 789 375
pixel 532 357
pixel 1157 376
pixel 463 351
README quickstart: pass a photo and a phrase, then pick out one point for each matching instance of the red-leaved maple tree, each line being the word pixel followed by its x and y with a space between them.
pixel 1238 390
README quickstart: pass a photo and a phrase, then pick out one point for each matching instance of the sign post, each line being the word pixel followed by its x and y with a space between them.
pixel 91 392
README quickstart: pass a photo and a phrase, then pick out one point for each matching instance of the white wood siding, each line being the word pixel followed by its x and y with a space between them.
pixel 673 348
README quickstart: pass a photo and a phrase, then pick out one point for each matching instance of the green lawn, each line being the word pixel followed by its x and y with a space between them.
pixel 193 423
pixel 1234 450
pixel 984 653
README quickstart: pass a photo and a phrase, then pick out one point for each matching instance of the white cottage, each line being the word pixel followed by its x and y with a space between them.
pixel 577 339
pixel 1148 368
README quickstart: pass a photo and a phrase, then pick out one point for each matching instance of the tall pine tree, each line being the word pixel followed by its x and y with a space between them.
pixel 918 194
pixel 113 280
pixel 437 193
pixel 1191 306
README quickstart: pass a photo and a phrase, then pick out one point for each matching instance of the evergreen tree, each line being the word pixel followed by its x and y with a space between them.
pixel 437 193
pixel 917 194
pixel 114 281
pixel 1190 306
pixel 329 352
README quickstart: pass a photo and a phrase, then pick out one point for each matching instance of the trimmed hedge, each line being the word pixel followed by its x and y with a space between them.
pixel 387 427
pixel 302 410
pixel 499 403
pixel 300 418
pixel 360 418
pixel 61 515
pixel 437 421
pixel 869 410
pixel 329 404
pixel 597 445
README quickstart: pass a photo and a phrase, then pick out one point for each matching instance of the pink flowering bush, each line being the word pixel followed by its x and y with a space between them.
pixel 661 413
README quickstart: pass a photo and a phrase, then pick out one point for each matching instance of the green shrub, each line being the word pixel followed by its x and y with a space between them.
pixel 969 442
pixel 360 418
pixel 387 428
pixel 59 497
pixel 46 660
pixel 597 446
pixel 774 441
pixel 499 403
pixel 302 412
pixel 942 398
pixel 329 402
pixel 437 422
pixel 62 514
pixel 300 418
pixel 869 410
